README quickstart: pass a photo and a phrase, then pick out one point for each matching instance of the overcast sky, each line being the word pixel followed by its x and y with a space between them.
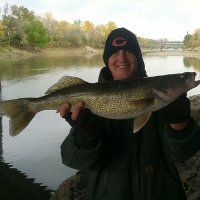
pixel 155 19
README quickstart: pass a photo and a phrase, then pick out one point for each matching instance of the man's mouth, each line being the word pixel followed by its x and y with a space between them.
pixel 123 66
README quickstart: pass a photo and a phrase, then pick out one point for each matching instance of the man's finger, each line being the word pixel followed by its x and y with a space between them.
pixel 76 110
pixel 64 109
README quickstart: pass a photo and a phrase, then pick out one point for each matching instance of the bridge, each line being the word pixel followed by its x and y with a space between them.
pixel 172 45
pixel 166 44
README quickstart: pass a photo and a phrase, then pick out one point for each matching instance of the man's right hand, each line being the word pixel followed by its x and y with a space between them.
pixel 66 111
pixel 78 116
pixel 85 123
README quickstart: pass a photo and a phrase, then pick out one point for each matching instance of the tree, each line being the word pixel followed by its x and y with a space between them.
pixel 77 36
pixel 2 38
pixel 48 21
pixel 50 24
pixel 110 26
pixel 197 37
pixel 88 26
pixel 192 40
pixel 14 24
pixel 36 34
pixel 62 33
pixel 187 41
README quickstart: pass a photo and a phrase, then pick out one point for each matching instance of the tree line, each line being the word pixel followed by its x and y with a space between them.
pixel 22 28
pixel 192 41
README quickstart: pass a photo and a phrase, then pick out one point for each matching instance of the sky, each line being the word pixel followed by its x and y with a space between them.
pixel 154 19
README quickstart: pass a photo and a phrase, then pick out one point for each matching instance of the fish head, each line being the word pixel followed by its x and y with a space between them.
pixel 181 83
pixel 189 79
pixel 171 86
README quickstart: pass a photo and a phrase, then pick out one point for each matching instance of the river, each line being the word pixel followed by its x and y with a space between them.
pixel 36 150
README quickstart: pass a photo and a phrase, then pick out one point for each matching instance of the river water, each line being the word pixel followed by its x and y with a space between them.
pixel 36 150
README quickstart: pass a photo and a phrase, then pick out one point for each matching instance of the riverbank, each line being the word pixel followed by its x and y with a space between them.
pixel 186 53
pixel 13 53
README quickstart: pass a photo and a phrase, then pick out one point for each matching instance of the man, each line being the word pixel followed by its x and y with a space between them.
pixel 123 165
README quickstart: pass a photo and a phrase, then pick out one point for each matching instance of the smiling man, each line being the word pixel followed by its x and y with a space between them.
pixel 123 65
pixel 122 55
pixel 123 165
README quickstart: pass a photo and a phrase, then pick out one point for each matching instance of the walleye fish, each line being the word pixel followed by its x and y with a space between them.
pixel 119 99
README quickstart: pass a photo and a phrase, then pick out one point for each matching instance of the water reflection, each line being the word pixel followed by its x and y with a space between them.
pixel 16 185
pixel 192 62
pixel 10 69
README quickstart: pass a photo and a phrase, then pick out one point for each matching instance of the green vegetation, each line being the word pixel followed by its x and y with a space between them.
pixel 21 28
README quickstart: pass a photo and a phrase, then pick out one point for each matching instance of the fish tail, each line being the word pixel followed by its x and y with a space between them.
pixel 19 112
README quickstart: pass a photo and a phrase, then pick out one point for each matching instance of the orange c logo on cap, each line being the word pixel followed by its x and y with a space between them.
pixel 119 42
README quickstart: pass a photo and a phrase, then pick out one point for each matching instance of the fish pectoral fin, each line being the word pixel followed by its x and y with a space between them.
pixel 140 121
pixel 65 82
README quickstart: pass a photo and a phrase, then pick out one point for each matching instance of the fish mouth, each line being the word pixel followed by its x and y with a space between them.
pixel 196 82
pixel 191 82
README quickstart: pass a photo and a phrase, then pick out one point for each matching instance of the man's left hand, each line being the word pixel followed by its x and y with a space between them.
pixel 178 112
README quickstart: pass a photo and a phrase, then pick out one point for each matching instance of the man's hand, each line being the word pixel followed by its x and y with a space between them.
pixel 178 112
pixel 80 118
pixel 66 111
pixel 87 125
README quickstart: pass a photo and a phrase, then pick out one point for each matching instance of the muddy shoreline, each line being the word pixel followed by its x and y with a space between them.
pixel 12 53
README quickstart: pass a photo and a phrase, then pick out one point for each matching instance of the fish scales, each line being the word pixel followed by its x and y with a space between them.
pixel 114 98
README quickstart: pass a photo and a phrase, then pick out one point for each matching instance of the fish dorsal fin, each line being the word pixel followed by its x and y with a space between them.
pixel 65 82
pixel 140 121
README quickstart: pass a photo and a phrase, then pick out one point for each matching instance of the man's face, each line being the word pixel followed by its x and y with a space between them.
pixel 123 65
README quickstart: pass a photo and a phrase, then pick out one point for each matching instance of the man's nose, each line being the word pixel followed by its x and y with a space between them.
pixel 122 55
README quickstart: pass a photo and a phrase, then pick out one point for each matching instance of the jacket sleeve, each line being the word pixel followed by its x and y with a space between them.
pixel 79 153
pixel 181 145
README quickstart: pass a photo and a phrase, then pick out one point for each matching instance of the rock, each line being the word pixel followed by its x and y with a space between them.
pixel 74 188
pixel 90 50
pixel 195 107
pixel 194 196
pixel 197 49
